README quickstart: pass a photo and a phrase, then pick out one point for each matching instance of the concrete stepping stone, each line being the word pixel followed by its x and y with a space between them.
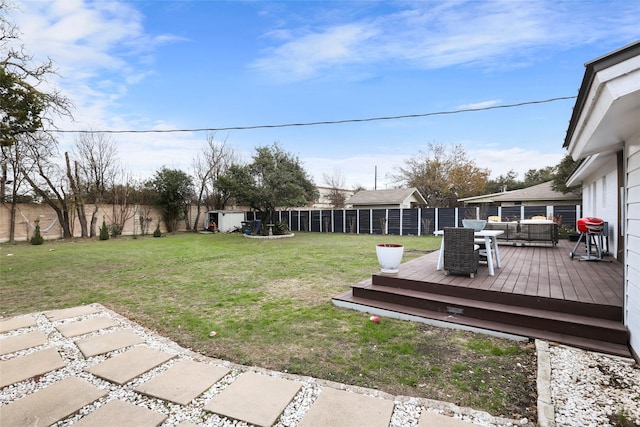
pixel 122 414
pixel 25 367
pixel 66 313
pixel 51 404
pixel 17 323
pixel 183 382
pixel 105 343
pixel 74 329
pixel 22 342
pixel 431 419
pixel 124 367
pixel 254 398
pixel 338 408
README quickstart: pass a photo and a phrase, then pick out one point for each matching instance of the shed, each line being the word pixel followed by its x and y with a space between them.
pixel 387 199
pixel 223 221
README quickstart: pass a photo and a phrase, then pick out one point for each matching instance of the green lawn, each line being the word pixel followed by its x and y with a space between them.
pixel 269 302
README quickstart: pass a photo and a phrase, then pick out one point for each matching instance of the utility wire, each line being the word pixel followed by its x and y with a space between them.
pixel 329 122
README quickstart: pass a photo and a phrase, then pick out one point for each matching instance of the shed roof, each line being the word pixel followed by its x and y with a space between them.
pixel 394 196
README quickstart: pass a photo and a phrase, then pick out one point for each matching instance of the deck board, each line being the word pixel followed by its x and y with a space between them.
pixel 534 270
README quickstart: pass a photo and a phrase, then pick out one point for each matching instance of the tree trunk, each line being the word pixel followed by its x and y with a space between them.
pixel 12 220
pixel 197 220
pixel 74 183
pixel 62 211
pixel 94 221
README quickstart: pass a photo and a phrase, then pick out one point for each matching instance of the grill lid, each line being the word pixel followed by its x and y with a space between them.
pixel 590 225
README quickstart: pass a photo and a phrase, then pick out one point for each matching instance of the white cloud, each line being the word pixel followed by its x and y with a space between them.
pixel 435 35
pixel 302 57
pixel 480 105
pixel 518 159
pixel 99 49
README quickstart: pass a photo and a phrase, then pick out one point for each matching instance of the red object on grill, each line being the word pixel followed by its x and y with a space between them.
pixel 590 225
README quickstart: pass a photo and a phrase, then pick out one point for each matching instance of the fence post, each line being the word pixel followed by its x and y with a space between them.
pixel 370 221
pixel 344 220
pixel 386 222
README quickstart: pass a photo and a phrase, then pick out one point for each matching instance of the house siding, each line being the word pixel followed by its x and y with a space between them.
pixel 632 255
pixel 600 199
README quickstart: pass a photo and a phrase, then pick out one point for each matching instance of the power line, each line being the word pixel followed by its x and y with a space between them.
pixel 328 122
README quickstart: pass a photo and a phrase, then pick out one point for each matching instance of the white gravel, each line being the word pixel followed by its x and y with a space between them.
pixel 586 387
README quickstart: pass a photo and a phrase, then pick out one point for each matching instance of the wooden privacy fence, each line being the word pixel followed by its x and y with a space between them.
pixel 413 221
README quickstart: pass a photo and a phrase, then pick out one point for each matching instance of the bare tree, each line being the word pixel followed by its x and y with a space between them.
pixel 10 162
pixel 46 177
pixel 78 195
pixel 214 161
pixel 98 164
pixel 144 198
pixel 336 184
pixel 121 199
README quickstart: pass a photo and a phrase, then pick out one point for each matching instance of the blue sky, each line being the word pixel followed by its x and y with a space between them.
pixel 139 65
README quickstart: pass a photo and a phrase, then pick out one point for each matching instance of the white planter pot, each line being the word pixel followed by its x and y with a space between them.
pixel 389 257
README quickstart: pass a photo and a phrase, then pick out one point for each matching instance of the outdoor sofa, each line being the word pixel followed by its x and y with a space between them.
pixel 526 230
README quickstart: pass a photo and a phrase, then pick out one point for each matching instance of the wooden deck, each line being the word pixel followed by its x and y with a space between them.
pixel 540 292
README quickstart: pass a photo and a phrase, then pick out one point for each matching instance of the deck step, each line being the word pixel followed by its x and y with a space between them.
pixel 401 311
pixel 533 301
pixel 553 321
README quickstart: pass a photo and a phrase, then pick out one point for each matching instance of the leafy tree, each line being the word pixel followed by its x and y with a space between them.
pixel 174 190
pixel 37 238
pixel 564 170
pixel 104 230
pixel 504 183
pixel 538 176
pixel 274 179
pixel 443 175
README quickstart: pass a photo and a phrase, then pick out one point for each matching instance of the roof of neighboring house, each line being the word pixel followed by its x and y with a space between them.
pixel 536 192
pixel 395 196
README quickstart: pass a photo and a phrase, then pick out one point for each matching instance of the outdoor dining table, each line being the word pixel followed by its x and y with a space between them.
pixel 490 237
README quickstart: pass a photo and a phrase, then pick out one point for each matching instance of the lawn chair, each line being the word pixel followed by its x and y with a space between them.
pixel 461 254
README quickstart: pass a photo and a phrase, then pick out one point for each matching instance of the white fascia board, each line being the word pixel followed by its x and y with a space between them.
pixel 608 86
pixel 587 167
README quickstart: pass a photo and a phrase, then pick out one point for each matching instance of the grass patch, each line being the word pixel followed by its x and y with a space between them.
pixel 270 303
